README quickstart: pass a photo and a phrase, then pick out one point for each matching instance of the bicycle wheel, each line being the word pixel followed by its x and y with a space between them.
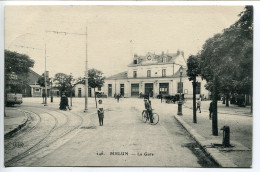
pixel 155 119
pixel 144 115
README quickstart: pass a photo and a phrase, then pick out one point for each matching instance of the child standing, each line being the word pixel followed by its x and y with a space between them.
pixel 198 105
pixel 100 112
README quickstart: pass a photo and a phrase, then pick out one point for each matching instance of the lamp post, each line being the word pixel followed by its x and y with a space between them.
pixel 180 90
pixel 51 80
pixel 86 74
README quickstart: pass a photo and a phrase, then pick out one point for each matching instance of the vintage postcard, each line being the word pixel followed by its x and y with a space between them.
pixel 128 86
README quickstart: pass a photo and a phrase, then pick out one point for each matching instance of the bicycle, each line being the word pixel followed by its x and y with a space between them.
pixel 145 117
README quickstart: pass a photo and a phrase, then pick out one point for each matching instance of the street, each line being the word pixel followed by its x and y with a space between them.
pixel 72 138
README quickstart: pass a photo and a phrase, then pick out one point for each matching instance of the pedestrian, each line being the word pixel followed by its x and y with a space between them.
pixel 64 103
pixel 100 112
pixel 161 97
pixel 210 110
pixel 43 97
pixel 118 97
pixel 198 105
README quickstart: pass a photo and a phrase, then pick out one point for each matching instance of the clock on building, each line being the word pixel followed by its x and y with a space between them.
pixel 149 57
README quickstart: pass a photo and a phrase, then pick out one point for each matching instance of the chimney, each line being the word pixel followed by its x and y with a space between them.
pixel 178 52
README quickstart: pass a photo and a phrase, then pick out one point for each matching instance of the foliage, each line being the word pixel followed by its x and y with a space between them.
pixel 17 67
pixel 193 67
pixel 41 81
pixel 228 56
pixel 64 82
pixel 95 78
pixel 193 71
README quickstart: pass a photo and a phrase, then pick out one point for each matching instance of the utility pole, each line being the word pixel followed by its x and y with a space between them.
pixel 45 80
pixel 86 73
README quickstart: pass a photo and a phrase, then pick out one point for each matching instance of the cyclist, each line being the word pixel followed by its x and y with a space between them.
pixel 148 107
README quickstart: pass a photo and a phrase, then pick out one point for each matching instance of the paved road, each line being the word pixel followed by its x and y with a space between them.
pixel 75 138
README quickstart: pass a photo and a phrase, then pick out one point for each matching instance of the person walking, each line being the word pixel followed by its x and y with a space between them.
pixel 118 97
pixel 210 110
pixel 64 103
pixel 198 105
pixel 100 112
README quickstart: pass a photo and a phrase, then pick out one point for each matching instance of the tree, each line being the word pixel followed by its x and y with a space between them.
pixel 17 67
pixel 226 61
pixel 193 72
pixel 95 80
pixel 41 80
pixel 65 83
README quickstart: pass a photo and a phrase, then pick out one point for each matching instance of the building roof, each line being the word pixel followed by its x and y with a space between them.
pixel 122 75
pixel 33 77
pixel 152 58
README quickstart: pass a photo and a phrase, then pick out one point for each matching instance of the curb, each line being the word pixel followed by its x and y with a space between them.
pixel 19 127
pixel 214 153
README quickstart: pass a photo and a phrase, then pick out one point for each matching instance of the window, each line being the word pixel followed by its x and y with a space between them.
pixel 164 59
pixel 198 88
pixel 180 87
pixel 149 73
pixel 164 73
pixel 135 74
pixel 135 61
pixel 99 88
pixel 37 90
pixel 164 88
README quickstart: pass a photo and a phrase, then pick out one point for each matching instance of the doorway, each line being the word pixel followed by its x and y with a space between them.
pixel 109 90
pixel 149 89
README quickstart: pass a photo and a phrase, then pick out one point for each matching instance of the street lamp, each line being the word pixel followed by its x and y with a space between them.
pixel 51 80
pixel 180 90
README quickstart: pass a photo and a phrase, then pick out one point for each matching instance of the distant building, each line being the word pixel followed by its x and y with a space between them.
pixel 80 91
pixel 153 74
pixel 33 89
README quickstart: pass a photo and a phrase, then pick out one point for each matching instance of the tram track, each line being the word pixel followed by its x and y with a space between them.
pixel 49 138
pixel 30 129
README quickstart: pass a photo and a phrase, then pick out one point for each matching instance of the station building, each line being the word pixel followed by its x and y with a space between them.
pixel 154 74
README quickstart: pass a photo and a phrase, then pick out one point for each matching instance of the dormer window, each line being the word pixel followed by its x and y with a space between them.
pixel 135 61
pixel 164 59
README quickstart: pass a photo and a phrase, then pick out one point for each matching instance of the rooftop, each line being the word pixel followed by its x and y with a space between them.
pixel 152 58
pixel 122 75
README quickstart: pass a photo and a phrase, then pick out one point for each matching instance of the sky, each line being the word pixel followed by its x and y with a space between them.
pixel 109 31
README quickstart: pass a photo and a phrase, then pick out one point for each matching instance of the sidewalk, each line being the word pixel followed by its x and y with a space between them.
pixel 239 120
pixel 13 121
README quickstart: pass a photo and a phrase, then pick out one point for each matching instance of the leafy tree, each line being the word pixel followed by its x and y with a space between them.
pixel 41 80
pixel 226 61
pixel 17 67
pixel 95 80
pixel 193 71
pixel 65 83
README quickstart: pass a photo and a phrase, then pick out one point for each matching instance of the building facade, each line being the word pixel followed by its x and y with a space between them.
pixel 79 90
pixel 152 75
